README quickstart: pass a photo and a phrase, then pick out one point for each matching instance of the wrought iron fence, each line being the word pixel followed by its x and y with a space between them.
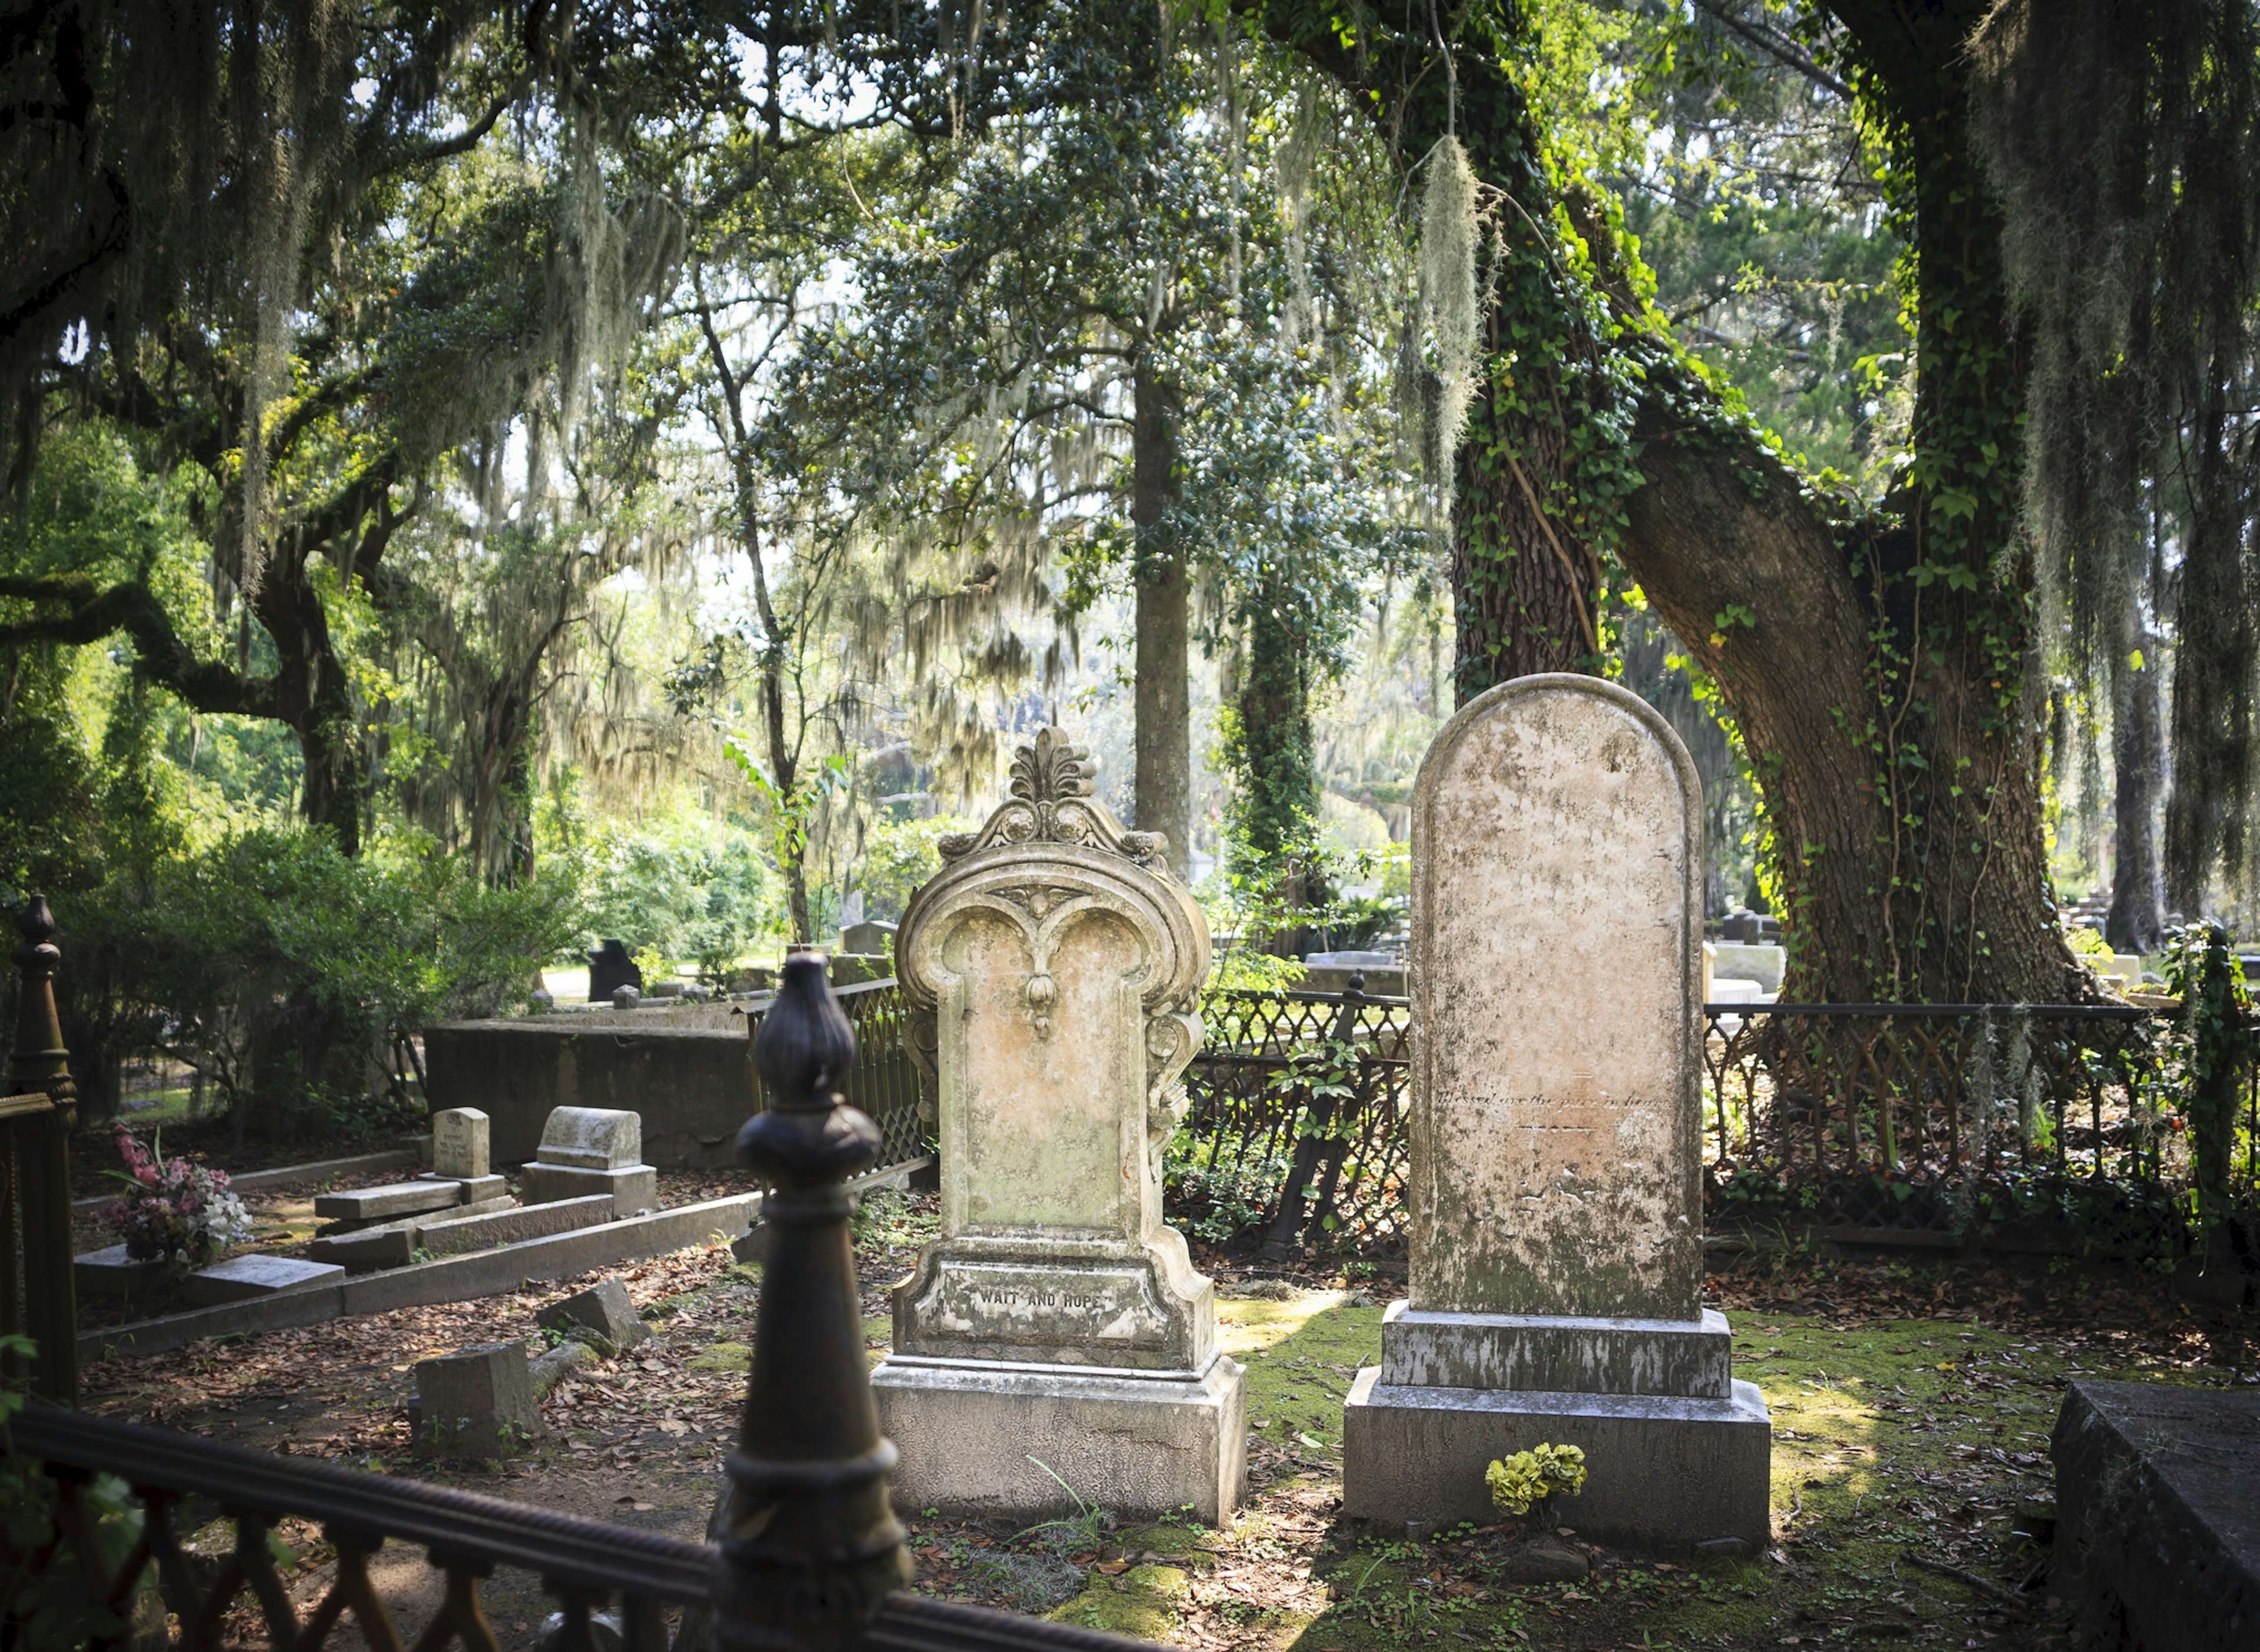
pixel 884 1081
pixel 1296 1127
pixel 1910 1117
pixel 1927 1116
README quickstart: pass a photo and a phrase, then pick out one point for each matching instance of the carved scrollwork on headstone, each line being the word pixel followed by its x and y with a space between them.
pixel 1051 799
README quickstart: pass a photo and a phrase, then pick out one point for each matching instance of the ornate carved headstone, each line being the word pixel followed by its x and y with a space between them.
pixel 1556 1209
pixel 1052 968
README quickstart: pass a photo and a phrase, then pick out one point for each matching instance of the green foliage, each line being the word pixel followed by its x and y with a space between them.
pixel 288 973
pixel 2202 967
pixel 1530 1476
pixel 898 856
pixel 682 888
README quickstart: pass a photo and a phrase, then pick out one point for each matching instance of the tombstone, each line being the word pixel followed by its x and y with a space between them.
pixel 610 969
pixel 587 1150
pixel 1051 970
pixel 459 1153
pixel 478 1403
pixel 248 1278
pixel 1556 1266
pixel 872 940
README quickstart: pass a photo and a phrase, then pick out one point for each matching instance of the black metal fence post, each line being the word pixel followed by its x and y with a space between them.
pixel 41 1300
pixel 813 1549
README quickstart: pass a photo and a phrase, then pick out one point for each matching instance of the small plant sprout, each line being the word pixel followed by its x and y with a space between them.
pixel 1531 1477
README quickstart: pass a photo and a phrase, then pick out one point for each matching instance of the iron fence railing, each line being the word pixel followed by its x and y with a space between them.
pixel 1296 1125
pixel 1851 1115
pixel 1919 1116
pixel 884 1081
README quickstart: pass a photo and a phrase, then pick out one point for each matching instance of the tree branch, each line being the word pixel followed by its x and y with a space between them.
pixel 1782 51
pixel 159 652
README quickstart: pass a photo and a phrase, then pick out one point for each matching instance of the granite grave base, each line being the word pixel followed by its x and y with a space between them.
pixel 972 1433
pixel 1664 1472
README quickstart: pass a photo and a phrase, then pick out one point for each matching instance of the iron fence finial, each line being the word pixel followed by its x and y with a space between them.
pixel 813 1549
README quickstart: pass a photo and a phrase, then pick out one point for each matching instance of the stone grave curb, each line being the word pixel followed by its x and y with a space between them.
pixel 283 1175
pixel 483 1273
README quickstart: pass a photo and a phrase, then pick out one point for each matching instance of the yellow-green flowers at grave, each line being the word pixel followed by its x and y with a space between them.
pixel 1543 1472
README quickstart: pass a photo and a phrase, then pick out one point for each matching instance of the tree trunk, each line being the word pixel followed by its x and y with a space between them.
pixel 1874 669
pixel 2136 921
pixel 1162 785
pixel 2212 720
pixel 1278 810
pixel 310 696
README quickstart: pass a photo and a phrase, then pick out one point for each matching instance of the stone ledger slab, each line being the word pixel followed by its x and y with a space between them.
pixel 508 1226
pixel 972 1433
pixel 2157 1492
pixel 240 1278
pixel 392 1244
pixel 365 1204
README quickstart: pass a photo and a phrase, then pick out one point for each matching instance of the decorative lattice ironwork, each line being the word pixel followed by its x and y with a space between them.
pixel 1920 1116
pixel 1297 1128
pixel 884 1081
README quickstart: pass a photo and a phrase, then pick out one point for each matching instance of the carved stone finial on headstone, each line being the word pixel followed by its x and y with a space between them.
pixel 1052 970
pixel 1051 799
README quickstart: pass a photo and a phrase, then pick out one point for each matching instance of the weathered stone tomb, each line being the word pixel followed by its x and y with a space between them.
pixel 1056 1327
pixel 1557 1211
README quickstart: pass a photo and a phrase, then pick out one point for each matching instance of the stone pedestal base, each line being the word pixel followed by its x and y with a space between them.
pixel 633 1187
pixel 1139 1445
pixel 1664 1473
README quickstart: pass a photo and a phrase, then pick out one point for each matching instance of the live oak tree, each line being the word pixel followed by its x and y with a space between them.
pixel 1875 660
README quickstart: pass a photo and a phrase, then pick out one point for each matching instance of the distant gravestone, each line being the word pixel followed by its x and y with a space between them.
pixel 587 1150
pixel 868 940
pixel 1556 1265
pixel 1053 967
pixel 459 1143
pixel 610 969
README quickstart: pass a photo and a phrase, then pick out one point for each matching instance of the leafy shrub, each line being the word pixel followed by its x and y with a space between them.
pixel 898 856
pixel 681 891
pixel 291 977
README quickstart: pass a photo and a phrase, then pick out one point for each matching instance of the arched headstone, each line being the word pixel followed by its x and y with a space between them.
pixel 1056 1331
pixel 1557 1207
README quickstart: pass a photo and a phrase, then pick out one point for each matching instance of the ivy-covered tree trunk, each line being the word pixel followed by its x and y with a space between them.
pixel 1162 785
pixel 1275 755
pixel 1873 663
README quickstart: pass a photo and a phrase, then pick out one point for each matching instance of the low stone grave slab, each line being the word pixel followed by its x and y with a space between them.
pixel 602 1314
pixel 393 1243
pixel 242 1278
pixel 362 1206
pixel 507 1227
pixel 111 1272
pixel 2157 1494
pixel 476 1403
pixel 472 1190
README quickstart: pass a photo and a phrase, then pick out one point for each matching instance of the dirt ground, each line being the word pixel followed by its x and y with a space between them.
pixel 1912 1406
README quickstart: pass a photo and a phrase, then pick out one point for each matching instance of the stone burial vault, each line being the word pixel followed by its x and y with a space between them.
pixel 1557 1207
pixel 1055 1335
